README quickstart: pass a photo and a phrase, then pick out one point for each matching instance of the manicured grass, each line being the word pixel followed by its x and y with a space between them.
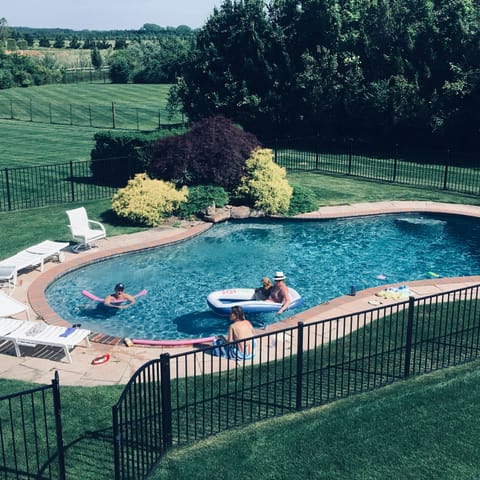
pixel 128 95
pixel 28 227
pixel 137 107
pixel 28 144
pixel 342 190
pixel 423 428
pixel 87 428
pixel 25 143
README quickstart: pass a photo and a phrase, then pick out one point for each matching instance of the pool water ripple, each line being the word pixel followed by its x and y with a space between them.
pixel 322 259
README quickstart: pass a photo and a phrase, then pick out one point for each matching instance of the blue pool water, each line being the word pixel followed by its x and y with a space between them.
pixel 322 260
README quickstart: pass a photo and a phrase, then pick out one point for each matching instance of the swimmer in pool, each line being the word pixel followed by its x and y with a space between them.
pixel 119 299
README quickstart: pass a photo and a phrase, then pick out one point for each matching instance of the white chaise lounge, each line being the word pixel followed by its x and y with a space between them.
pixel 9 306
pixel 31 334
pixel 32 257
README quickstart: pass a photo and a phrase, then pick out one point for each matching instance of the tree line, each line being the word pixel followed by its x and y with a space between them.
pixel 405 71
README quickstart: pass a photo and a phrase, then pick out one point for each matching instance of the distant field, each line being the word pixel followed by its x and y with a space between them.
pixel 136 107
pixel 65 57
pixel 27 144
pixel 128 95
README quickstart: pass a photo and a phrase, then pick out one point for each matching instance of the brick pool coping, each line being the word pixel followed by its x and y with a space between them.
pixel 153 238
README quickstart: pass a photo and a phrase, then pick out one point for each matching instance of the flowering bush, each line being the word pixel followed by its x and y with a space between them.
pixel 148 202
pixel 265 185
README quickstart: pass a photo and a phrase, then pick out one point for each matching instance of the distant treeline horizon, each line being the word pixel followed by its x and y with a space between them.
pixel 146 29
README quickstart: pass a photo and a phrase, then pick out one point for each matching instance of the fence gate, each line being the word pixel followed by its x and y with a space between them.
pixel 31 442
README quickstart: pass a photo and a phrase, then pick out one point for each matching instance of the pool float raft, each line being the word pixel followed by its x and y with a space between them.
pixel 222 301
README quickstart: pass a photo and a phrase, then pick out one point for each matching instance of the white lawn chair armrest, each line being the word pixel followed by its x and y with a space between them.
pixel 98 224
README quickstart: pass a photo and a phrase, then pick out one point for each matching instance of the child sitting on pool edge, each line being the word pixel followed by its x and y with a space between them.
pixel 240 329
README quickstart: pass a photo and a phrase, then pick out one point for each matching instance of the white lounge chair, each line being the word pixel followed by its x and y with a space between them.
pixel 31 334
pixel 84 231
pixel 8 277
pixel 32 257
pixel 9 306
pixel 8 325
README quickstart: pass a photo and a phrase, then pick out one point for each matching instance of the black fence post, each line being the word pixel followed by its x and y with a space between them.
pixel 408 341
pixel 114 120
pixel 350 149
pixel 9 196
pixel 317 151
pixel 57 406
pixel 72 184
pixel 445 176
pixel 165 385
pixel 116 442
pixel 11 110
pixel 275 148
pixel 395 158
pixel 298 400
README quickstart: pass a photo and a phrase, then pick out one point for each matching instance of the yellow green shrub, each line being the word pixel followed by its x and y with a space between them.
pixel 265 184
pixel 147 201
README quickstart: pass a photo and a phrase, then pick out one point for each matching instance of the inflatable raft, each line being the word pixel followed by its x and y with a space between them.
pixel 222 301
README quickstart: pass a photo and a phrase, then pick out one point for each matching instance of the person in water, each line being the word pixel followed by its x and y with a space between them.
pixel 119 299
pixel 280 293
pixel 263 293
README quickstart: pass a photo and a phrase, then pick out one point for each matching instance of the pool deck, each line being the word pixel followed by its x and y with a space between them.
pixel 39 364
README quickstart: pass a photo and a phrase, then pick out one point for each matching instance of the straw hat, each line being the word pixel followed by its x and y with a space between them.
pixel 279 276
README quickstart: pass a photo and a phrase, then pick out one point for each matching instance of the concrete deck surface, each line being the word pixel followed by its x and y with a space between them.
pixel 39 364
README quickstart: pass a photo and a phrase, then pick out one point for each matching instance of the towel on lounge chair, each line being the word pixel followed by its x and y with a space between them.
pixel 395 293
pixel 68 331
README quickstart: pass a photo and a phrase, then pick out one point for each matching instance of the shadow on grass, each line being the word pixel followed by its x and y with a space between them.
pixel 90 456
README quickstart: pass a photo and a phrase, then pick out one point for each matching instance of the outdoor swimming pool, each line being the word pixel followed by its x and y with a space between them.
pixel 321 259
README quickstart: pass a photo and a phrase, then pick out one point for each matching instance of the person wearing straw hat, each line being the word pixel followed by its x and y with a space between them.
pixel 279 292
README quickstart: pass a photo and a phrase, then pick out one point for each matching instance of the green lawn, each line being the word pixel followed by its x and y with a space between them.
pixel 129 106
pixel 29 144
pixel 423 428
pixel 128 95
pixel 25 143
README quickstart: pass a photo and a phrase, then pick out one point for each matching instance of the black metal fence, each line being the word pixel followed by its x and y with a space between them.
pixel 85 115
pixel 85 74
pixel 442 169
pixel 31 442
pixel 31 187
pixel 185 397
